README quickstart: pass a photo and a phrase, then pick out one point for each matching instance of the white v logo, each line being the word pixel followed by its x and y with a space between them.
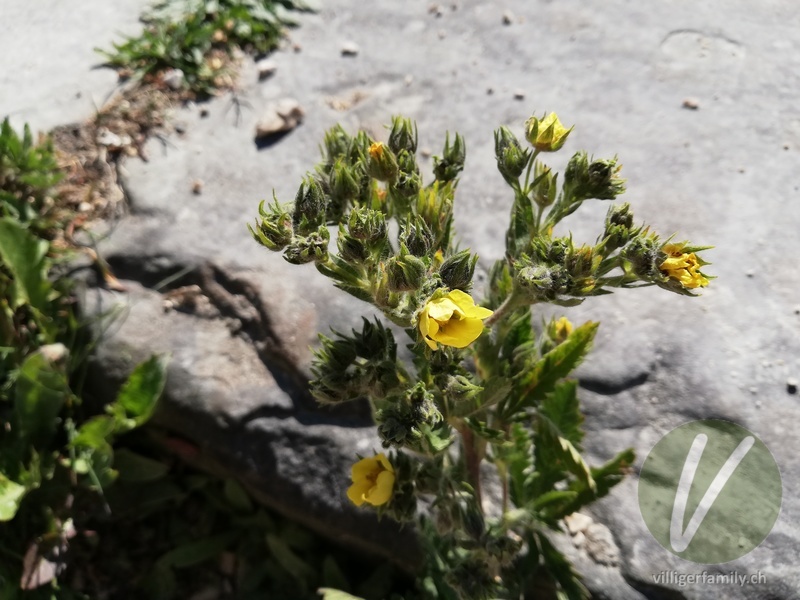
pixel 679 539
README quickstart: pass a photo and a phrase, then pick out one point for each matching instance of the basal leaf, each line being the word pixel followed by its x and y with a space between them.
pixel 23 254
pixel 140 393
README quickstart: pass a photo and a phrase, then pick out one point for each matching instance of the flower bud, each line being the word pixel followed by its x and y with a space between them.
pixel 406 272
pixel 367 225
pixel 540 282
pixel 559 330
pixel 337 143
pixel 417 237
pixel 423 406
pixel 351 249
pixel 310 248
pixel 403 135
pixel 546 189
pixel 511 157
pixel 456 272
pixel 343 183
pixel 459 388
pixel 619 227
pixel 546 134
pixel 274 230
pixel 580 262
pixel 451 163
pixel 310 207
pixel 596 179
pixel 382 163
pixel 644 252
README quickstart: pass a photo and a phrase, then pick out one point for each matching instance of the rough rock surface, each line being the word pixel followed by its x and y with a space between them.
pixel 723 174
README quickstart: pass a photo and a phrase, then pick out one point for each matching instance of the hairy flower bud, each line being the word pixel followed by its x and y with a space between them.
pixel 451 163
pixel 382 163
pixel 351 249
pixel 337 143
pixel 541 282
pixel 459 388
pixel 619 227
pixel 596 179
pixel 644 252
pixel 417 237
pixel 369 226
pixel 274 228
pixel 310 207
pixel 511 157
pixel 403 135
pixel 456 272
pixel 310 248
pixel 546 189
pixel 343 183
pixel 406 272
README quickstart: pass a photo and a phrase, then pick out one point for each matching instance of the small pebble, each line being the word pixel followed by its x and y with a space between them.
pixel 691 104
pixel 350 49
pixel 489 91
pixel 173 79
pixel 409 79
pixel 797 309
pixel 508 17
pixel 442 34
pixel 180 127
pixel 266 68
pixel 786 146
pixel 425 152
pixel 297 48
pixel 435 10
pixel 203 113
pixel 750 273
pixel 753 390
pixel 758 403
pixel 197 187
pixel 519 95
pixel 791 385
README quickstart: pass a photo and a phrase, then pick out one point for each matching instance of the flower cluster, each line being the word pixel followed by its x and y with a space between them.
pixel 482 378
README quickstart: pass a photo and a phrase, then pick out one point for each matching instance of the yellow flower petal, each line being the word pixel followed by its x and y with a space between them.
pixel 364 468
pixel 461 333
pixel 381 492
pixel 442 309
pixel 358 492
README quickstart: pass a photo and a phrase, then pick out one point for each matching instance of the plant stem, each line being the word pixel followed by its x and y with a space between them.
pixel 472 460
pixel 510 303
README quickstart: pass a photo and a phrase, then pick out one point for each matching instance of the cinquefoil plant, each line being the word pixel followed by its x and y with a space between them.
pixel 484 387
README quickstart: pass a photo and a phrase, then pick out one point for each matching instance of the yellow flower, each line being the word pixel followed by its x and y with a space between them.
pixel 561 329
pixel 376 150
pixel 373 481
pixel 453 320
pixel 546 134
pixel 683 266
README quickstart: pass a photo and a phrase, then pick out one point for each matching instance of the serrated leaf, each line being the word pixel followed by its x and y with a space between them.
pixel 534 382
pixel 11 494
pixel 23 254
pixel 41 391
pixel 563 410
pixel 484 431
pixel 143 388
pixel 553 452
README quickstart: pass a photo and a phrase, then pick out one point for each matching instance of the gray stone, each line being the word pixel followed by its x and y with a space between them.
pixel 717 176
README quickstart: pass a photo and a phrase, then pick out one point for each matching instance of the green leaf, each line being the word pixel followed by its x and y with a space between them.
pixel 332 594
pixel 136 468
pixel 332 575
pixel 563 410
pixel 41 391
pixel 554 452
pixel 237 497
pixel 437 439
pixel 140 393
pixel 291 563
pixel 534 382
pixel 561 570
pixel 23 254
pixel 198 552
pixel 484 431
pixel 11 495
